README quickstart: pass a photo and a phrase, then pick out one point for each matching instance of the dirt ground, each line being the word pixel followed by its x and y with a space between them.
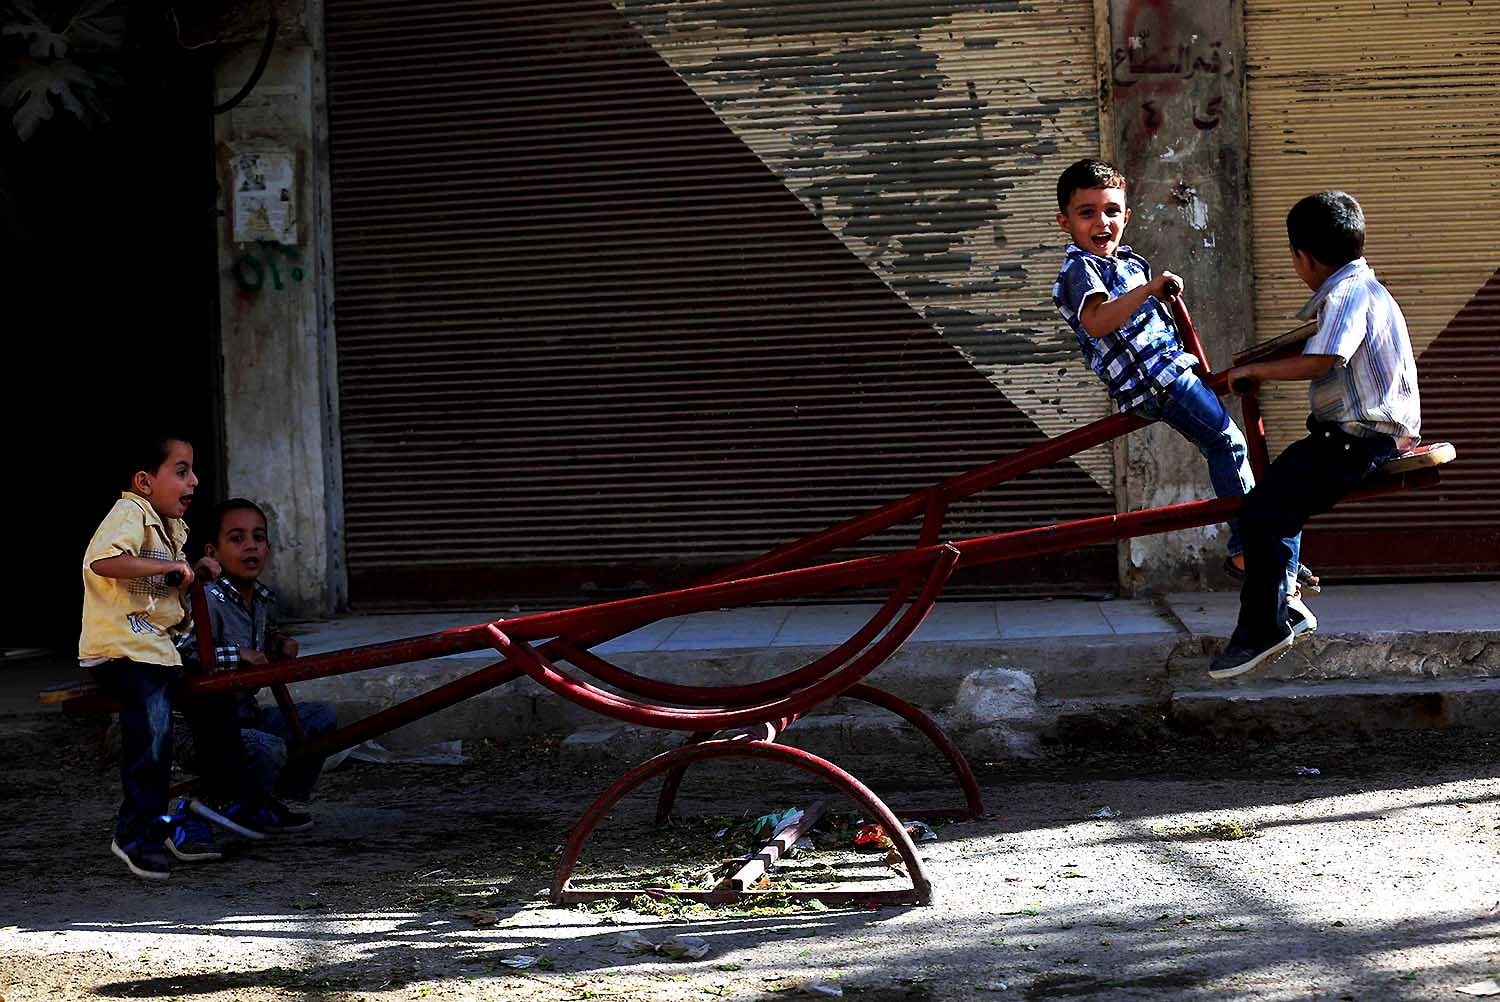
pixel 1220 873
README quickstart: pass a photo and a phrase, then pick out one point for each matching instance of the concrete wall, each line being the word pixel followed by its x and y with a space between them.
pixel 1176 73
pixel 279 365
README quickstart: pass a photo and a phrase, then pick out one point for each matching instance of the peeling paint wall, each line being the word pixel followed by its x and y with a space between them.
pixel 1177 76
pixel 277 376
pixel 928 136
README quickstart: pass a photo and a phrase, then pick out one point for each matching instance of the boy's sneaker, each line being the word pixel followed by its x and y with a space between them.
pixel 191 840
pixel 144 859
pixel 239 817
pixel 1239 658
pixel 1302 619
pixel 279 819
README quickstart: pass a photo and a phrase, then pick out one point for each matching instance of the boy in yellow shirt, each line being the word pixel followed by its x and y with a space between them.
pixel 135 577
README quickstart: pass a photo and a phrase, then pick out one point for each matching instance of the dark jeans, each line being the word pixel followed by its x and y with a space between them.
pixel 147 694
pixel 267 738
pixel 1196 413
pixel 1309 478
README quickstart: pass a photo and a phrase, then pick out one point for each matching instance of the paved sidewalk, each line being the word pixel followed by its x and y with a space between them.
pixel 1116 662
pixel 1441 607
pixel 1401 655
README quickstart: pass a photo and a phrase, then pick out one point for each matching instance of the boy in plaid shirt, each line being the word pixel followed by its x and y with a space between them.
pixel 242 615
pixel 1106 293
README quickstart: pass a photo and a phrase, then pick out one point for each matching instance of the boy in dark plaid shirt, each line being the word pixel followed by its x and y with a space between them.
pixel 242 614
pixel 1106 293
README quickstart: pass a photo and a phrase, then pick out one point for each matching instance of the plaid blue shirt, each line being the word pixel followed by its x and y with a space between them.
pixel 236 625
pixel 1144 356
pixel 1372 389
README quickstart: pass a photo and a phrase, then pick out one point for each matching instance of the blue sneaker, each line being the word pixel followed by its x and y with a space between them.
pixel 189 839
pixel 145 859
pixel 240 817
pixel 279 819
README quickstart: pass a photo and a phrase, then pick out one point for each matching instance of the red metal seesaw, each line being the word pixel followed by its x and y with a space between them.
pixel 716 717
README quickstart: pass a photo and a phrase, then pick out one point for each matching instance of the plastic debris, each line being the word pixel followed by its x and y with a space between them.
pixel 437 753
pixel 787 820
pixel 633 944
pixel 721 833
pixel 993 986
pixel 520 963
pixel 872 838
pixel 1489 986
pixel 684 948
pixel 774 821
pixel 920 831
pixel 1307 770
pixel 1105 812
pixel 827 989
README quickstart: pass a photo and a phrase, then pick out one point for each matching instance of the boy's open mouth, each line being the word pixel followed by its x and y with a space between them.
pixel 186 501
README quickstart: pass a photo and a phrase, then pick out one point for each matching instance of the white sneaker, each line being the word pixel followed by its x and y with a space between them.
pixel 1303 621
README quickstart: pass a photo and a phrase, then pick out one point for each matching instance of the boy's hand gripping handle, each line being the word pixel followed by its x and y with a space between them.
pixel 1185 329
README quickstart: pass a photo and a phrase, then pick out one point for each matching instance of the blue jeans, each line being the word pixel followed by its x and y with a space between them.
pixel 266 746
pixel 1307 479
pixel 147 694
pixel 265 738
pixel 1195 411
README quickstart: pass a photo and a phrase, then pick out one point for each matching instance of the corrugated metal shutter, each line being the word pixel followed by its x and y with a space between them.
pixel 1395 103
pixel 590 341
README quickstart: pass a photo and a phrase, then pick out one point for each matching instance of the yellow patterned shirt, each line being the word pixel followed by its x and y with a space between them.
pixel 132 618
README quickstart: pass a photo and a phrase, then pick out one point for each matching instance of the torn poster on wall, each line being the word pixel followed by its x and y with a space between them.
pixel 264 180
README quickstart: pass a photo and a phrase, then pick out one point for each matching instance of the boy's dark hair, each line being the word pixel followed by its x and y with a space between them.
pixel 1330 226
pixel 148 452
pixel 1087 173
pixel 216 519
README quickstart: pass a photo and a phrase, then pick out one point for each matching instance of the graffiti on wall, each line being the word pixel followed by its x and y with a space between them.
pixel 1165 68
pixel 267 265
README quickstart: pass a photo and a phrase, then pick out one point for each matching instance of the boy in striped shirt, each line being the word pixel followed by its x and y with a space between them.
pixel 1117 311
pixel 1365 412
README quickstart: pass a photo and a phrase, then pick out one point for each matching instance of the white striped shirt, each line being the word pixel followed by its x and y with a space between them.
pixel 1372 388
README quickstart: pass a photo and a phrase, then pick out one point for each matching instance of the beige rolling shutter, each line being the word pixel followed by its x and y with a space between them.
pixel 1394 102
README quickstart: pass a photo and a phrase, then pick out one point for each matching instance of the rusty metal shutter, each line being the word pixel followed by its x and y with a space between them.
pixel 1395 103
pixel 594 337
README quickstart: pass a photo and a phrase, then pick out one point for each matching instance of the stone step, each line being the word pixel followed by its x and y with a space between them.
pixel 1340 709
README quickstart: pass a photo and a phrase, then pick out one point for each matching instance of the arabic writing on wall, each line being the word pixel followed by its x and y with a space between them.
pixel 1163 67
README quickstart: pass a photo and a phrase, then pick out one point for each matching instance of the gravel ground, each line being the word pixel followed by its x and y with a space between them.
pixel 1218 873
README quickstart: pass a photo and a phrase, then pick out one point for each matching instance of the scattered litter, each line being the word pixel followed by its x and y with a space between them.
pixel 437 753
pixel 520 963
pixel 1105 812
pixel 1308 770
pixel 824 988
pixel 920 831
pixel 803 844
pixel 993 986
pixel 787 820
pixel 684 948
pixel 721 833
pixel 873 837
pixel 1489 986
pixel 635 944
pixel 774 821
